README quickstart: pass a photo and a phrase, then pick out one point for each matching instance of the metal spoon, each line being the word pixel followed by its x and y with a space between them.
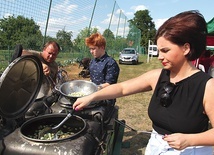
pixel 57 127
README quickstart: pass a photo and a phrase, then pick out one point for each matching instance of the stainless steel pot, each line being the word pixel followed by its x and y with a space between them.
pixel 84 87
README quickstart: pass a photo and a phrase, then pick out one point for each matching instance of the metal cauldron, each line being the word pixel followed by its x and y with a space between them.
pixel 29 128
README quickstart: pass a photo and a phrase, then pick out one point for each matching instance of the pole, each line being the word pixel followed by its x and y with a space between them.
pixel 111 16
pixel 92 17
pixel 148 52
pixel 118 24
pixel 47 22
pixel 124 29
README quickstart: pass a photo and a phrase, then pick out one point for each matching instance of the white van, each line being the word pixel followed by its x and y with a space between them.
pixel 152 50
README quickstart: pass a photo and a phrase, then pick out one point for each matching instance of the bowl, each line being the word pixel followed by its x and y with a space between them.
pixel 77 88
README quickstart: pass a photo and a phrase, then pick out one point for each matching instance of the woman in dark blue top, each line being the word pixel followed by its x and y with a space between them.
pixel 182 103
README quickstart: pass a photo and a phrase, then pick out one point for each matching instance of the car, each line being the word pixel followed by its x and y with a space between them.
pixel 153 50
pixel 128 56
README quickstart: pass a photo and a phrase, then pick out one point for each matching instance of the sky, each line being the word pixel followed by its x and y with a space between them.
pixel 161 10
pixel 74 15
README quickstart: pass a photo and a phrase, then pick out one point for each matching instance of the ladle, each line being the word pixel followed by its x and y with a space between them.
pixel 57 127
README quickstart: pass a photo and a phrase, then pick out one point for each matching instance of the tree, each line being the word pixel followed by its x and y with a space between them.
pixel 133 37
pixel 120 44
pixel 79 42
pixel 64 39
pixel 110 39
pixel 20 30
pixel 108 34
pixel 143 21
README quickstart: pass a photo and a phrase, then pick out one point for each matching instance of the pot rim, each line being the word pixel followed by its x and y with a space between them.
pixel 48 116
pixel 74 98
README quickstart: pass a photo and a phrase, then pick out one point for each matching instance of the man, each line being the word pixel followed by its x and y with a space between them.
pixel 104 70
pixel 50 69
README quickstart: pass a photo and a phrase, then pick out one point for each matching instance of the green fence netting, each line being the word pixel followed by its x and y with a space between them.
pixel 32 23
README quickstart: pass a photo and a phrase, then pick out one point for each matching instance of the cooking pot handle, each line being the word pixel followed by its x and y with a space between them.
pixel 65 119
pixel 141 131
pixel 57 87
pixel 124 125
pixel 51 81
pixel 49 100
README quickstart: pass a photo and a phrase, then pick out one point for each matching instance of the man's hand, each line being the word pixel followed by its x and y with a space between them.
pixel 46 69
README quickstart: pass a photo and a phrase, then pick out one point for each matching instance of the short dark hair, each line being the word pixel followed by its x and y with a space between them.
pixel 186 27
pixel 54 43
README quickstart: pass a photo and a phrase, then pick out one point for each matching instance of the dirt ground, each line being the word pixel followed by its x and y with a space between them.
pixel 73 72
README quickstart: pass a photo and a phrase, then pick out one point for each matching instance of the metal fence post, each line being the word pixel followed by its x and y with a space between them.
pixel 46 27
pixel 111 17
pixel 92 15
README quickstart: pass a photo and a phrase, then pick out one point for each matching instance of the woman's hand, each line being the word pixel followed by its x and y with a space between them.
pixel 177 141
pixel 82 102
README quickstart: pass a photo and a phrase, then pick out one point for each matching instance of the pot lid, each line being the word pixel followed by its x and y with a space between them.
pixel 19 86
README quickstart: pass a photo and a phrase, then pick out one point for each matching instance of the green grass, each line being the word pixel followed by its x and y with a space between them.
pixel 131 71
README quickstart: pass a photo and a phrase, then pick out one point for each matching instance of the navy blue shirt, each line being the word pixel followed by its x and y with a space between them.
pixel 104 70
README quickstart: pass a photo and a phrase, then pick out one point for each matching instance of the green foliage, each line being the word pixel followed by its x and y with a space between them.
pixel 133 38
pixel 144 23
pixel 120 43
pixel 64 40
pixel 16 30
pixel 109 35
pixel 114 44
pixel 4 59
pixel 80 40
pixel 67 58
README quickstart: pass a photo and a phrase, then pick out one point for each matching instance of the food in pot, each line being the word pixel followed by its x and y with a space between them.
pixel 64 132
pixel 77 94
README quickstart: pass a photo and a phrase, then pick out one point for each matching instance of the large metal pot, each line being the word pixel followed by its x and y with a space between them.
pixel 84 87
pixel 29 130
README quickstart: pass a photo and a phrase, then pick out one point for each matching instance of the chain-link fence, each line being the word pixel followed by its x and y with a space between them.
pixel 33 22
